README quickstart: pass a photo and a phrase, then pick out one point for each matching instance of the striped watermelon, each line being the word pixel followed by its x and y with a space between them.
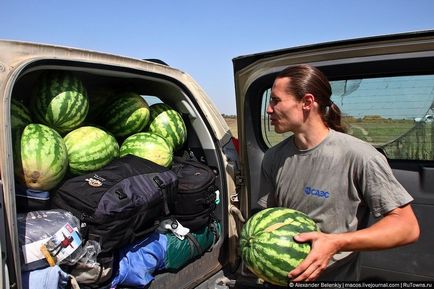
pixel 169 124
pixel 90 148
pixel 20 115
pixel 42 159
pixel 60 101
pixel 149 146
pixel 20 118
pixel 267 244
pixel 127 115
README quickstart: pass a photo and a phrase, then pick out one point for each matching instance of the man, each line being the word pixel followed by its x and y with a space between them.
pixel 336 179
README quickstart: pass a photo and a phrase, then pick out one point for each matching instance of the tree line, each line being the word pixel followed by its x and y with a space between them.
pixel 228 115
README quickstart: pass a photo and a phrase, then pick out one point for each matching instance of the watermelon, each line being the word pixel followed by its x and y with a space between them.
pixel 90 148
pixel 41 158
pixel 127 115
pixel 20 115
pixel 169 124
pixel 267 245
pixel 100 98
pixel 20 118
pixel 149 146
pixel 60 101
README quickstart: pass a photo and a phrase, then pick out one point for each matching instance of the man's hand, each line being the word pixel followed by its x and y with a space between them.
pixel 324 246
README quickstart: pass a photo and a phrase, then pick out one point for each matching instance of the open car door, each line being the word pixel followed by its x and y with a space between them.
pixel 384 86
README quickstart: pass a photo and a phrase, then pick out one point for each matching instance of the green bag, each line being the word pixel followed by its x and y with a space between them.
pixel 180 252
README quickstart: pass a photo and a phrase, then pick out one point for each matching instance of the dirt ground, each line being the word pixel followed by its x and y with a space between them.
pixel 232 123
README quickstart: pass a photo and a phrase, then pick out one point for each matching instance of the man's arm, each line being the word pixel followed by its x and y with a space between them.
pixel 398 227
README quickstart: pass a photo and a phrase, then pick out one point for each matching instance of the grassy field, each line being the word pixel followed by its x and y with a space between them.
pixel 400 139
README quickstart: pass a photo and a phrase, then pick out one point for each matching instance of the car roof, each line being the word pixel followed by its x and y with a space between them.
pixel 242 61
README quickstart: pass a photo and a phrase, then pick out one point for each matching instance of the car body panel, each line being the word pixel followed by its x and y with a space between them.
pixel 211 138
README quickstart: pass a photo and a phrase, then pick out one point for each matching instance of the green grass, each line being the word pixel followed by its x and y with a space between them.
pixel 399 139
pixel 379 133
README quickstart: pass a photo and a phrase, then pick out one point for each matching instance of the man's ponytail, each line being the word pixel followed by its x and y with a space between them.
pixel 333 118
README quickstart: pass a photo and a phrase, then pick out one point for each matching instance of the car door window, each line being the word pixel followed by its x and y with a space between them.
pixel 395 114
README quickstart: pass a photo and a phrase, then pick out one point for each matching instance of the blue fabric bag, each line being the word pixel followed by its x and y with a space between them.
pixel 140 260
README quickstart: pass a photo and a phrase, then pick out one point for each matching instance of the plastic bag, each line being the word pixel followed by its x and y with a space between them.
pixel 37 228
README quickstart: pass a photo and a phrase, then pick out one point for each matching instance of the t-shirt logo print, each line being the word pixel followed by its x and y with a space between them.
pixel 316 192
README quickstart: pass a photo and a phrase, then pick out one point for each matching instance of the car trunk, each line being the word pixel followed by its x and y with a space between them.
pixel 207 134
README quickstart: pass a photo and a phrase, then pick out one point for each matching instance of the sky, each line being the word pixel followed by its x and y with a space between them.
pixel 202 37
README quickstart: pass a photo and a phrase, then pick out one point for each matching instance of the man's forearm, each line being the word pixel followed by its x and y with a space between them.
pixel 397 228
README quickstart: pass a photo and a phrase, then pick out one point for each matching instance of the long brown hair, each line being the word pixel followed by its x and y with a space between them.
pixel 308 79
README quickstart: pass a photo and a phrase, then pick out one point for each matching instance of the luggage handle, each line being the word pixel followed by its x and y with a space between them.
pixel 160 183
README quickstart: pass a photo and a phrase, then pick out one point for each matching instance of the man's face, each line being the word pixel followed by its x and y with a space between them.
pixel 285 111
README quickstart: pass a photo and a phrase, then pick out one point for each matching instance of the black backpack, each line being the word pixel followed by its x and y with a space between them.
pixel 119 203
pixel 194 204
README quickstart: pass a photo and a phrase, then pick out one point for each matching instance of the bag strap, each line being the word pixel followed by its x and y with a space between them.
pixel 162 187
pixel 213 228
pixel 194 244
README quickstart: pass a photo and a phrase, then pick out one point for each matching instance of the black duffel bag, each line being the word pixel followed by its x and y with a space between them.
pixel 119 203
pixel 195 201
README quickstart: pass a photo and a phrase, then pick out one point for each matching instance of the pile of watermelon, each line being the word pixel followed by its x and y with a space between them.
pixel 267 243
pixel 65 130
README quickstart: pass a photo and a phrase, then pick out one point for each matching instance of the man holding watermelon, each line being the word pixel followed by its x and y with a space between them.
pixel 334 178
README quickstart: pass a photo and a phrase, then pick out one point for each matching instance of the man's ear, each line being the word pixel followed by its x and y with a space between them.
pixel 308 101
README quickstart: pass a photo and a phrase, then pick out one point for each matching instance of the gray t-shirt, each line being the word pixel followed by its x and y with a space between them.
pixel 337 183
